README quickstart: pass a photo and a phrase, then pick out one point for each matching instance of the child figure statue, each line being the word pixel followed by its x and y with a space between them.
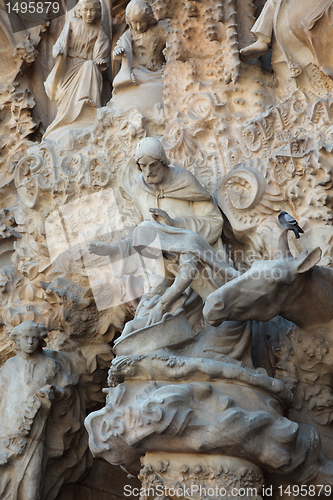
pixel 75 82
pixel 140 48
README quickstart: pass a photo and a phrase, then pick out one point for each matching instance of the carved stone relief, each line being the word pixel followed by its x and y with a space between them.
pixel 141 229
pixel 41 423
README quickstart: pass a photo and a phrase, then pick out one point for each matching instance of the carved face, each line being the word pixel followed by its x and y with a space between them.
pixel 29 341
pixel 88 12
pixel 153 170
pixel 139 22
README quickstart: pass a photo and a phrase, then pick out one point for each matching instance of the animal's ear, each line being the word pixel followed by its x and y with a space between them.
pixel 307 261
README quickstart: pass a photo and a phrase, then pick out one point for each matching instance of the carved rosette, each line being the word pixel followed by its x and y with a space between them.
pixel 193 476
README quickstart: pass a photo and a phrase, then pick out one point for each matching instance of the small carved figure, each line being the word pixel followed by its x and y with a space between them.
pixel 157 287
pixel 179 214
pixel 81 52
pixel 140 48
pixel 30 384
pixel 303 31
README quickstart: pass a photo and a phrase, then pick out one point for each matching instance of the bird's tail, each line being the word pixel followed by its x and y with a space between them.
pixel 295 229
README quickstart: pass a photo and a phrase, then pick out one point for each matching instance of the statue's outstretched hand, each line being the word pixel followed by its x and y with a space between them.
pixel 161 216
pixel 155 315
pixel 58 50
pixel 118 51
pixel 100 248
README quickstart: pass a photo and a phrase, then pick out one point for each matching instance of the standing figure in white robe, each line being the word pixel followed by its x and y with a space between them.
pixel 76 81
pixel 38 412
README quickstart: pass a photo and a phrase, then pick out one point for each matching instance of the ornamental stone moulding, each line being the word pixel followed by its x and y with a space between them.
pixel 165 331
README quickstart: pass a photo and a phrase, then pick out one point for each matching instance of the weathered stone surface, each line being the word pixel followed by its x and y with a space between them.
pixel 139 224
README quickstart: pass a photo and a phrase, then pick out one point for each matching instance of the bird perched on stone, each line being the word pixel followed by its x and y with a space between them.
pixel 289 223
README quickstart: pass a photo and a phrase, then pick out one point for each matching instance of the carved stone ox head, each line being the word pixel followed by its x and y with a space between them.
pixel 269 288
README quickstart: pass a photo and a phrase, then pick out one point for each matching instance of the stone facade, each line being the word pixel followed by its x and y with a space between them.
pixel 166 249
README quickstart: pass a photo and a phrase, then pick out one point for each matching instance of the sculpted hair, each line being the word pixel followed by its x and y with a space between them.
pixel 136 7
pixel 151 147
pixel 28 326
pixel 97 3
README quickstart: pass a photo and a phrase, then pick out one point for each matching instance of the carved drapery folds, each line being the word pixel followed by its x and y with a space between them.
pixel 120 254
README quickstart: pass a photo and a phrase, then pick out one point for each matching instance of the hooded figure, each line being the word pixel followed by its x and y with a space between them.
pixel 177 218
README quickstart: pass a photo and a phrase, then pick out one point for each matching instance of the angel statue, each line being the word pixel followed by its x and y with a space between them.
pixel 76 81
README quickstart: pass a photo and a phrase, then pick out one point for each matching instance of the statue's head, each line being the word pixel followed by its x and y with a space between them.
pixel 89 11
pixel 29 336
pixel 139 15
pixel 151 160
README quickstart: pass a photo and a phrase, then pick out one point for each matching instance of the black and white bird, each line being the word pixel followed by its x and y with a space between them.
pixel 289 223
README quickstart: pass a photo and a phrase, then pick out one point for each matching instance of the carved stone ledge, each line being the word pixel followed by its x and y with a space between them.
pixel 189 475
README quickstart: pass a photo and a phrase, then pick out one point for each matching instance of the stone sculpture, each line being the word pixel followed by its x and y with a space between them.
pixel 144 417
pixel 140 50
pixel 278 283
pixel 303 31
pixel 180 220
pixel 37 401
pixel 301 292
pixel 157 286
pixel 233 405
pixel 75 82
pixel 148 351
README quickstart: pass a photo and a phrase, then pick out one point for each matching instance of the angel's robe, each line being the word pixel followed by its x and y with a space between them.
pixel 143 57
pixel 76 82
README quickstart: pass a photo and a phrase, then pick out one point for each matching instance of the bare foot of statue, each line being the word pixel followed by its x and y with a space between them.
pixel 90 103
pixel 257 49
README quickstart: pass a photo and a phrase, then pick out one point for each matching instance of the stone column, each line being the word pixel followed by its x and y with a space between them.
pixel 199 476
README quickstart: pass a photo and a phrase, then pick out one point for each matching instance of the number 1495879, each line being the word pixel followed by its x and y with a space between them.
pixel 320 490
pixel 33 7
